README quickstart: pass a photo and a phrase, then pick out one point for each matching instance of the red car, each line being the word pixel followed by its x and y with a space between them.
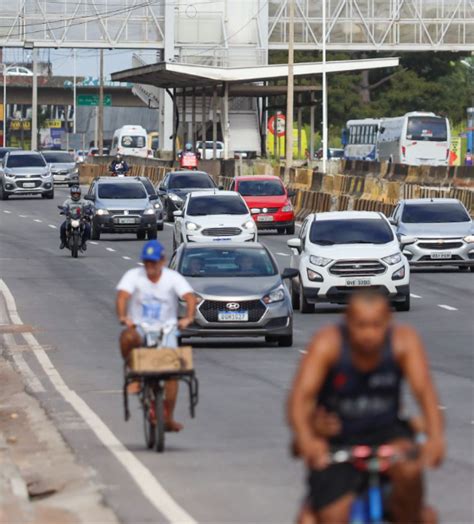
pixel 268 201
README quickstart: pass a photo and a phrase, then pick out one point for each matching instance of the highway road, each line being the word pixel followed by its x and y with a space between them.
pixel 231 464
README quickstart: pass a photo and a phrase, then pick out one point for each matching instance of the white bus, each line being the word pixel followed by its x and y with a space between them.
pixel 414 139
pixel 359 138
pixel 130 141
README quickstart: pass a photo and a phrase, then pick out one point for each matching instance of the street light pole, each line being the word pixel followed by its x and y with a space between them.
pixel 325 95
pixel 34 102
pixel 74 92
pixel 290 94
pixel 4 105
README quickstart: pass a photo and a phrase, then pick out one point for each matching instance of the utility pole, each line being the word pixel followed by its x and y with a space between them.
pixel 74 106
pixel 325 95
pixel 290 94
pixel 100 117
pixel 34 102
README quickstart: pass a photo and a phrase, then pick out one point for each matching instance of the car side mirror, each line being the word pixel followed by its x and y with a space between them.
pixel 406 240
pixel 393 221
pixel 178 213
pixel 153 197
pixel 295 243
pixel 89 197
pixel 289 273
pixel 221 187
pixel 291 193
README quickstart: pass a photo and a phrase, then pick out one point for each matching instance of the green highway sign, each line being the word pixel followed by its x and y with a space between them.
pixel 93 100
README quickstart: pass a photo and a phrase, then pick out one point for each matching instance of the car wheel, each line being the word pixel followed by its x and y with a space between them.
pixel 290 230
pixel 152 234
pixel 404 305
pixel 49 195
pixel 169 214
pixel 305 306
pixel 285 341
pixel 141 235
pixel 463 268
pixel 4 195
pixel 95 233
pixel 281 230
pixel 159 227
pixel 472 268
pixel 271 339
pixel 295 298
pixel 175 244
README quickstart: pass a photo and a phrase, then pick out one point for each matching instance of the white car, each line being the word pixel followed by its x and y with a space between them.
pixel 18 71
pixel 339 252
pixel 214 216
pixel 207 152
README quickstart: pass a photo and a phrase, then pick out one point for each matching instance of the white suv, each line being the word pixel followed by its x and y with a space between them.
pixel 214 216
pixel 338 253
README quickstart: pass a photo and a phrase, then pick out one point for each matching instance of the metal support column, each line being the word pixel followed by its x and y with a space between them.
pixel 311 127
pixel 203 120
pixel 225 121
pixel 300 122
pixel 34 102
pixel 183 120
pixel 175 127
pixel 193 119
pixel 214 123
pixel 101 104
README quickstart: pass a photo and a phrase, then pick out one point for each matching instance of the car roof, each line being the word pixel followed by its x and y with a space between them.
pixel 258 177
pixel 117 179
pixel 228 245
pixel 215 191
pixel 431 201
pixel 348 215
pixel 22 152
pixel 189 172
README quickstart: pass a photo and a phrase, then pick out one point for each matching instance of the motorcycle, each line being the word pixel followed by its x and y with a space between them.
pixel 75 219
pixel 118 170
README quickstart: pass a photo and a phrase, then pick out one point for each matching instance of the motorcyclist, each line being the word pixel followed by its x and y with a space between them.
pixel 188 158
pixel 119 166
pixel 76 201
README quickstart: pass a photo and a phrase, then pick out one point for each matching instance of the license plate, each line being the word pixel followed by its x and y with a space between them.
pixel 265 218
pixel 60 177
pixel 29 184
pixel 441 255
pixel 358 282
pixel 233 316
pixel 126 221
pixel 220 239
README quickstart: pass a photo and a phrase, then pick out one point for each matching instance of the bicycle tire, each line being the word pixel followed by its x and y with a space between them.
pixel 160 420
pixel 148 423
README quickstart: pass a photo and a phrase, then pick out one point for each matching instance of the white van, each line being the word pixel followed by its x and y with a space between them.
pixel 130 141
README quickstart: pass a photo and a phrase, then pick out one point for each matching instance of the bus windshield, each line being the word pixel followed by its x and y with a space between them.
pixel 428 128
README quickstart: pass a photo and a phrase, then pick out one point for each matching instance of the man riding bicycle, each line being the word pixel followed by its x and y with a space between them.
pixel 351 376
pixel 150 295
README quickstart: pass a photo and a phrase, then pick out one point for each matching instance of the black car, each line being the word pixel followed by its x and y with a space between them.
pixel 157 204
pixel 177 185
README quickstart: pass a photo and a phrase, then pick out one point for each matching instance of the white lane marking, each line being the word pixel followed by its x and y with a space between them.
pixel 127 258
pixel 442 407
pixel 52 226
pixel 110 249
pixel 449 308
pixel 141 264
pixel 7 212
pixel 414 296
pixel 169 225
pixel 38 220
pixel 23 216
pixel 93 243
pixel 283 254
pixel 303 351
pixel 148 484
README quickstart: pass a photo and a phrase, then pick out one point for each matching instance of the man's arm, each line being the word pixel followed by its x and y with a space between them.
pixel 191 301
pixel 309 379
pixel 121 306
pixel 414 363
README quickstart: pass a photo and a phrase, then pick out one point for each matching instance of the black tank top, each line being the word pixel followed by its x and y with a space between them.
pixel 364 401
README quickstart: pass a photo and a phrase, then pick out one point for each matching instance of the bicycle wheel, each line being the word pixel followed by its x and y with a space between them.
pixel 160 420
pixel 149 420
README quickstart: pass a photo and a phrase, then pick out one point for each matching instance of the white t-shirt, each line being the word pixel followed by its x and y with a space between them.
pixel 154 304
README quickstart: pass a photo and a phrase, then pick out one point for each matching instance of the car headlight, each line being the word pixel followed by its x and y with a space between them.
pixel 102 212
pixel 175 198
pixel 250 224
pixel 319 261
pixel 287 208
pixel 9 175
pixel 157 205
pixel 276 295
pixel 46 174
pixel 469 239
pixel 392 259
pixel 149 211
pixel 313 276
pixel 191 226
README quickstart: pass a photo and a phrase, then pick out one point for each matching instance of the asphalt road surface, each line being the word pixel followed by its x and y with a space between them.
pixel 231 463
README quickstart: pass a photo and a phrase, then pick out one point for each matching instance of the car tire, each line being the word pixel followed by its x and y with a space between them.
pixel 152 234
pixel 305 306
pixel 295 298
pixel 175 244
pixel 281 230
pixel 404 305
pixel 285 341
pixel 95 233
pixel 49 195
pixel 290 230
pixel 471 268
pixel 169 215
pixel 159 227
pixel 141 235
pixel 4 195
pixel 463 268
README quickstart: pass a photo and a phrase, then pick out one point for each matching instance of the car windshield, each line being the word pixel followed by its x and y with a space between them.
pixel 261 188
pixel 350 231
pixel 148 186
pixel 429 128
pixel 133 141
pixel 216 205
pixel 26 161
pixel 191 181
pixel 58 158
pixel 223 262
pixel 122 191
pixel 434 213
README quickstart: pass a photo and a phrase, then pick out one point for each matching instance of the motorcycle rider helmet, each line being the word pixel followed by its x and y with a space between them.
pixel 118 157
pixel 188 147
pixel 75 193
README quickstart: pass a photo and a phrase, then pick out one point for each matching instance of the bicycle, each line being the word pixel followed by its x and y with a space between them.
pixel 152 388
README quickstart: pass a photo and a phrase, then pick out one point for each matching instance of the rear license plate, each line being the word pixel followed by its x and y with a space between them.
pixel 265 218
pixel 29 184
pixel 233 316
pixel 358 282
pixel 441 255
pixel 126 221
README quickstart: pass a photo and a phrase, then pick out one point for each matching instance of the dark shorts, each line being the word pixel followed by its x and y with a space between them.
pixel 330 484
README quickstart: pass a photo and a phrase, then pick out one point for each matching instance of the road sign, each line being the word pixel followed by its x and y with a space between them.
pixel 93 100
pixel 276 124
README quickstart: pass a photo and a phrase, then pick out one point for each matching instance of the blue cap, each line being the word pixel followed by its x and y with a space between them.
pixel 152 251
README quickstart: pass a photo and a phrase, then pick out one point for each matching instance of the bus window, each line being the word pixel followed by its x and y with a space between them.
pixel 431 129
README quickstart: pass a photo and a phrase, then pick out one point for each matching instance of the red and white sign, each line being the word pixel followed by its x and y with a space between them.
pixel 277 125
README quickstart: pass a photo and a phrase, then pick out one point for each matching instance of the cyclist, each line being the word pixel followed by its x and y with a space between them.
pixel 75 200
pixel 353 372
pixel 150 295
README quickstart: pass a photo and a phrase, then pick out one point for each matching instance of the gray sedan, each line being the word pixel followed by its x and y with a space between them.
pixel 240 291
pixel 63 167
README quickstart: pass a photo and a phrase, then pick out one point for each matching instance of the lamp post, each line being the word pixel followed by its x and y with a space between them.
pixel 5 71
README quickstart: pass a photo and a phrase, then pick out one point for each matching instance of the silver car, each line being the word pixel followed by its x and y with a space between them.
pixel 63 167
pixel 25 173
pixel 435 231
pixel 240 290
